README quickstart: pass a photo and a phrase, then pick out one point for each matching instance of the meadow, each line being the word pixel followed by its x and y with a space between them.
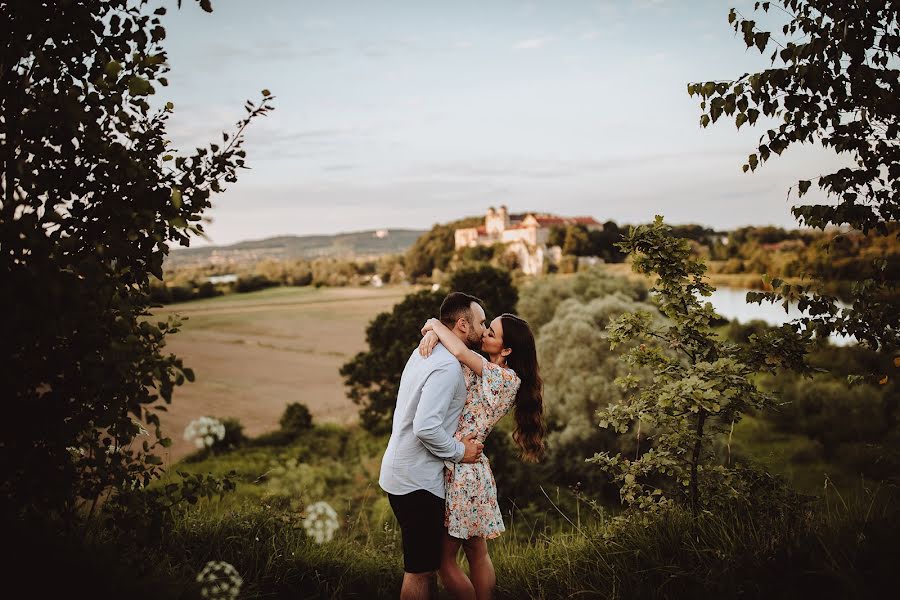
pixel 255 353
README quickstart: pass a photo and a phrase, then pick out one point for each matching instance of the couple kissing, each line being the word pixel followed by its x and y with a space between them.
pixel 460 381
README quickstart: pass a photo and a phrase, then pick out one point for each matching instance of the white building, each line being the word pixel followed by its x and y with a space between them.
pixel 525 235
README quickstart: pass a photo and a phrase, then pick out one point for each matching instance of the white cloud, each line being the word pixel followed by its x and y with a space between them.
pixel 533 43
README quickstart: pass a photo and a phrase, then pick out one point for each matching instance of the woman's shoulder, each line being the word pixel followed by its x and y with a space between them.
pixel 500 371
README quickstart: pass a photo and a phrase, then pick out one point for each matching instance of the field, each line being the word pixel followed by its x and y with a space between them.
pixel 255 353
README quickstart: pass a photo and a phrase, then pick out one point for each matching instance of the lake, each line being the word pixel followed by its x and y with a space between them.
pixel 731 303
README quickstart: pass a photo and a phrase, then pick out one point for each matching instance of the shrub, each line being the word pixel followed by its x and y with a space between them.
pixel 234 435
pixel 296 419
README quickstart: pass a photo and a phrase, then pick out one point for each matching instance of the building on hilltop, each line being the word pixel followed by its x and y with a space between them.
pixel 524 235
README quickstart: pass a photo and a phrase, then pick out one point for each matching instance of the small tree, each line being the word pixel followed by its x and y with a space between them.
pixel 92 197
pixel 700 387
pixel 296 419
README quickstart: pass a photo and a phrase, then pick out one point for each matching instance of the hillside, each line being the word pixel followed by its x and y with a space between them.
pixel 361 244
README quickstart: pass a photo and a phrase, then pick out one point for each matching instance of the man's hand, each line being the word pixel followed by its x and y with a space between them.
pixel 473 449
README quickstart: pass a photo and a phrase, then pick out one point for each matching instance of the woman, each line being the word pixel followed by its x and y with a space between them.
pixel 507 379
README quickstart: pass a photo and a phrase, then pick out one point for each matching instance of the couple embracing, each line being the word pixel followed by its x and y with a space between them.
pixel 439 483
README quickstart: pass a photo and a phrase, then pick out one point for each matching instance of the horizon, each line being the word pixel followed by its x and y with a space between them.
pixel 407 115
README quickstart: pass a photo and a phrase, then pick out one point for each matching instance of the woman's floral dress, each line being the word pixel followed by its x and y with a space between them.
pixel 472 509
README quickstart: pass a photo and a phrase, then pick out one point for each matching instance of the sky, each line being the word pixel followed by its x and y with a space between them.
pixel 396 114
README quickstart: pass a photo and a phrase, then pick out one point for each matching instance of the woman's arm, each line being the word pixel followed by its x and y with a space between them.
pixel 456 346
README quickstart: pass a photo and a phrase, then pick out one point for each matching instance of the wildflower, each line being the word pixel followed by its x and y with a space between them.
pixel 321 522
pixel 219 581
pixel 204 432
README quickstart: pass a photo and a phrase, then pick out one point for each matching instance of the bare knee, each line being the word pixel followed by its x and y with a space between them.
pixel 475 548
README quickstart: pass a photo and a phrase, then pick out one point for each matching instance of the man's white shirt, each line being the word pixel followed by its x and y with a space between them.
pixel 431 398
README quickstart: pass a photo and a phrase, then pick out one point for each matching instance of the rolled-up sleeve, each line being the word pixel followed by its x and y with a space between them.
pixel 428 424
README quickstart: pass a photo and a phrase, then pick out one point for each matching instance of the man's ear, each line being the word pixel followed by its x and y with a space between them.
pixel 462 324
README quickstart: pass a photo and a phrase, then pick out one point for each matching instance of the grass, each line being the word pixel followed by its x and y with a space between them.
pixel 777 546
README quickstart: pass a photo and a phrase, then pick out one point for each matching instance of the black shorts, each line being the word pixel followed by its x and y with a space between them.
pixel 421 517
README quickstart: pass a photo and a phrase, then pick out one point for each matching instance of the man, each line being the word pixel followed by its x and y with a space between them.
pixel 431 398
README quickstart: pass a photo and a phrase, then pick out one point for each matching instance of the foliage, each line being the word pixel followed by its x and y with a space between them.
pixel 541 296
pixel 494 286
pixel 92 197
pixel 296 419
pixel 373 376
pixel 147 514
pixel 579 370
pixel 835 82
pixel 234 434
pixel 700 385
pixel 434 249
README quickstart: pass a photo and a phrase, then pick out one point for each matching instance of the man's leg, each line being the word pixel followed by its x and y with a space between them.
pixel 421 518
pixel 418 586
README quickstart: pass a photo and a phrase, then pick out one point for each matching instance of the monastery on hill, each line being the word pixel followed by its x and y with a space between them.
pixel 525 235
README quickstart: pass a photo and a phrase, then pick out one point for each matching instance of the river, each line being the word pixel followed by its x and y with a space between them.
pixel 731 303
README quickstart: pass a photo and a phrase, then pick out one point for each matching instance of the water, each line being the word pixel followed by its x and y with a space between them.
pixel 731 303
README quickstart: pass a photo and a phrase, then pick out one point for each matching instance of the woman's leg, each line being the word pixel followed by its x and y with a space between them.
pixel 453 578
pixel 484 579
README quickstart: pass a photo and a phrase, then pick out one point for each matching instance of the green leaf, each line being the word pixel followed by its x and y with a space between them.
pixel 803 186
pixel 138 86
pixel 176 197
pixel 112 68
pixel 266 92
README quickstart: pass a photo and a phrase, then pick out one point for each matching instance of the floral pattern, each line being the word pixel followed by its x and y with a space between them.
pixel 471 493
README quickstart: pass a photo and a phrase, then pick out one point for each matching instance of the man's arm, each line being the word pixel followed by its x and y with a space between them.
pixel 428 424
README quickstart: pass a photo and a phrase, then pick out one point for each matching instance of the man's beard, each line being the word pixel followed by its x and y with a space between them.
pixel 473 341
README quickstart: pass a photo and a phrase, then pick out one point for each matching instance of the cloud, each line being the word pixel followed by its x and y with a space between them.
pixel 533 43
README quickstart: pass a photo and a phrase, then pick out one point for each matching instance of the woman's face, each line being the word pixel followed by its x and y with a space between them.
pixel 492 339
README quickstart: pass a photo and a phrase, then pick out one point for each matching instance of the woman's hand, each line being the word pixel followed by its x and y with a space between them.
pixel 429 325
pixel 429 341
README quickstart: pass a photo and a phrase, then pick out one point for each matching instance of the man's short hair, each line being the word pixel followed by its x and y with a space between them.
pixel 456 305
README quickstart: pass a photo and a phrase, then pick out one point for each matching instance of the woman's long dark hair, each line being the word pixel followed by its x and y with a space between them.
pixel 529 408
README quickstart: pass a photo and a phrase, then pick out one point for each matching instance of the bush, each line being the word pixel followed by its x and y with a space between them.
pixel 252 283
pixel 234 435
pixel 296 419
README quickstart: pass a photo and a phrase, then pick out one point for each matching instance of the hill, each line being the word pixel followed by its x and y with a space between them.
pixel 361 244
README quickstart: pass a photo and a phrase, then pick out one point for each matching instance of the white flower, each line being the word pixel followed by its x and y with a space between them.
pixel 321 522
pixel 219 580
pixel 204 432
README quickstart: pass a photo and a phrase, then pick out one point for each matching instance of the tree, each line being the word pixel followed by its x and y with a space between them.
pixel 836 82
pixel 541 297
pixel 494 286
pixel 373 376
pixel 92 197
pixel 434 249
pixel 701 386
pixel 577 241
pixel 579 370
